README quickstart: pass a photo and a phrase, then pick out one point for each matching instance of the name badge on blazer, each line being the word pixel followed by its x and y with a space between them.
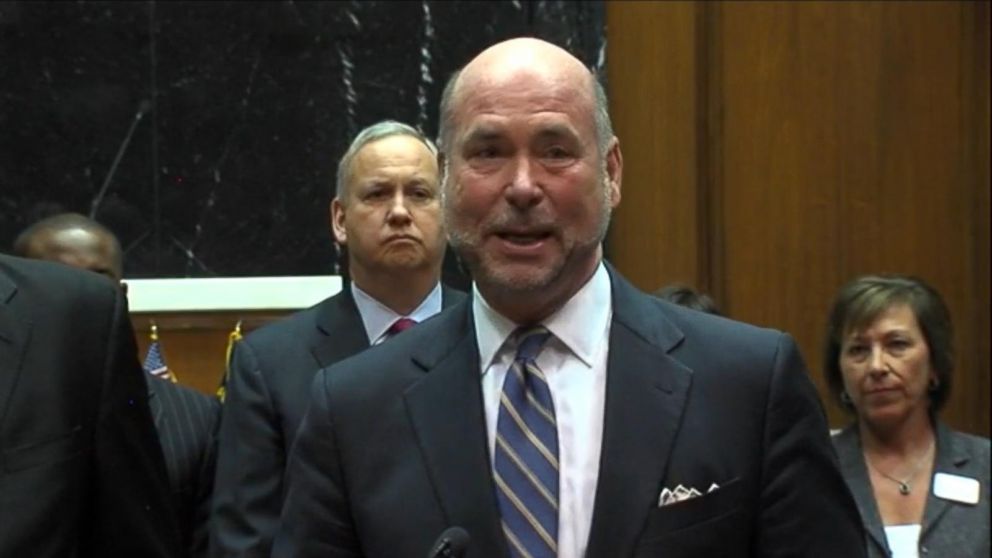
pixel 956 488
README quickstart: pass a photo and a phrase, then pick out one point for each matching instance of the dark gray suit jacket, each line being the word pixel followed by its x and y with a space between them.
pixel 81 471
pixel 949 528
pixel 393 449
pixel 267 394
pixel 187 422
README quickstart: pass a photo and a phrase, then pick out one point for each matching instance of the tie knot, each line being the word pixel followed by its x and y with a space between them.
pixel 530 341
pixel 401 325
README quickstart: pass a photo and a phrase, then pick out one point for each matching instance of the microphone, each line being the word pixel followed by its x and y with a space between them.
pixel 451 544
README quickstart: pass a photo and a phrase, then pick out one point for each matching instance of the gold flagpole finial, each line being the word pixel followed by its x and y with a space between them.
pixel 154 333
pixel 232 339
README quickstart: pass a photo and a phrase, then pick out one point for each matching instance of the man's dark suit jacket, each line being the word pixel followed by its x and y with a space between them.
pixel 187 422
pixel 393 449
pixel 81 470
pixel 267 394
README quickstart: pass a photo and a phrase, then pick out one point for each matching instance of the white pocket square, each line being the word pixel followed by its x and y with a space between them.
pixel 681 494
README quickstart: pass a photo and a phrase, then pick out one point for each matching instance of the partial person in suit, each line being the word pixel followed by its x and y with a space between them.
pixel 185 419
pixel 386 212
pixel 74 240
pixel 922 488
pixel 187 422
pixel 684 295
pixel 560 411
pixel 81 473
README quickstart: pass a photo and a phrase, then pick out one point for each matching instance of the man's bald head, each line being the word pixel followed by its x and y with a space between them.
pixel 523 54
pixel 74 240
pixel 509 59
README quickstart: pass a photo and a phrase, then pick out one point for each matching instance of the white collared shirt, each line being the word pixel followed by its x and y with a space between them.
pixel 377 317
pixel 574 362
pixel 904 540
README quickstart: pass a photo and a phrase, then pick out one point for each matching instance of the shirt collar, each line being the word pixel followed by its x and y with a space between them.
pixel 579 324
pixel 377 317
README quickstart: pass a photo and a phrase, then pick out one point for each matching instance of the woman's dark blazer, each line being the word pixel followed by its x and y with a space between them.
pixel 949 528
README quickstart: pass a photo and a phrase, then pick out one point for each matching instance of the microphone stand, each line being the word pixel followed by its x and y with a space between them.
pixel 143 107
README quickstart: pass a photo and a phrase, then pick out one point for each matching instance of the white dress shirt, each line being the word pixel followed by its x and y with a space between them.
pixel 904 540
pixel 377 317
pixel 574 362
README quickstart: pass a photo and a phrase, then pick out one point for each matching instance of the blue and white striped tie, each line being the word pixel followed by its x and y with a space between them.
pixel 526 454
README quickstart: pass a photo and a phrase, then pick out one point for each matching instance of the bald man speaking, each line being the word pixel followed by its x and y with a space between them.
pixel 560 412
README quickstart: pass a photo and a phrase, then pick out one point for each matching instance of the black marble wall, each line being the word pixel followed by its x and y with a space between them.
pixel 227 117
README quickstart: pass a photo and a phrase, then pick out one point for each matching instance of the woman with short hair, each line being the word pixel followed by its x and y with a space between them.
pixel 922 488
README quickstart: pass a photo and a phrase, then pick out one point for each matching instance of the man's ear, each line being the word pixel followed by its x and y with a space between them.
pixel 337 222
pixel 614 170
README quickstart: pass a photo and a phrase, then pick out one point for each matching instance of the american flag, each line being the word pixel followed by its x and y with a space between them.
pixel 154 361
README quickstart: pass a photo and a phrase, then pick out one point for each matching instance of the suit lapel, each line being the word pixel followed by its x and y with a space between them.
pixel 951 458
pixel 646 392
pixel 450 297
pixel 340 331
pixel 14 335
pixel 852 465
pixel 446 412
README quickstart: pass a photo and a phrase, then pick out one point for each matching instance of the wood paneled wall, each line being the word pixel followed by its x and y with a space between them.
pixel 775 150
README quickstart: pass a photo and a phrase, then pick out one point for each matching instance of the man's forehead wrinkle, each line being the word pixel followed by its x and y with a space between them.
pixel 395 174
pixel 494 103
pixel 395 163
pixel 526 90
pixel 491 105
pixel 545 123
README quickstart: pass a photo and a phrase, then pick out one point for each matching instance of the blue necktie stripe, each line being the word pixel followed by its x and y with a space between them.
pixel 516 547
pixel 517 437
pixel 535 541
pixel 526 454
pixel 524 488
pixel 525 472
pixel 537 458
